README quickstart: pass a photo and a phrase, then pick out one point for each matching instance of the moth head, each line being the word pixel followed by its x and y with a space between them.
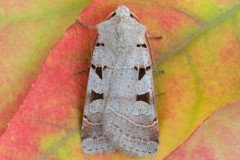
pixel 122 11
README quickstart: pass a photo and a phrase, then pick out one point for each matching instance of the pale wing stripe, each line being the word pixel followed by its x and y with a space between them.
pixel 139 125
pixel 94 124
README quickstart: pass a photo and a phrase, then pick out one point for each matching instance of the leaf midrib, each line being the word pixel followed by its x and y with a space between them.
pixel 203 29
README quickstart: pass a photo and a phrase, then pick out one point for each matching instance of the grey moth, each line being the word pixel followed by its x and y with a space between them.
pixel 119 111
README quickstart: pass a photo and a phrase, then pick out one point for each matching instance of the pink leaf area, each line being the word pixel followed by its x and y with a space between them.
pixel 216 138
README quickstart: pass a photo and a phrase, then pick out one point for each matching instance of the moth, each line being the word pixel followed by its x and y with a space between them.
pixel 119 111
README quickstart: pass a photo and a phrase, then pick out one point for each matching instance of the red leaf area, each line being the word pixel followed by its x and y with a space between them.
pixel 55 101
pixel 216 138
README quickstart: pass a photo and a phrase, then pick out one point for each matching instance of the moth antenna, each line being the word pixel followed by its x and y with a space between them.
pixel 85 25
pixel 154 37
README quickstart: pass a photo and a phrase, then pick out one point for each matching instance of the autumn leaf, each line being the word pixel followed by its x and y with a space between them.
pixel 216 138
pixel 199 54
pixel 28 30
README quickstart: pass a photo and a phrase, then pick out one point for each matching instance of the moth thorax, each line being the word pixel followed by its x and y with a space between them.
pixel 122 50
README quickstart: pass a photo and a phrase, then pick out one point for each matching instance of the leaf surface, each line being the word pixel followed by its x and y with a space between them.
pixel 199 54
pixel 28 30
pixel 216 138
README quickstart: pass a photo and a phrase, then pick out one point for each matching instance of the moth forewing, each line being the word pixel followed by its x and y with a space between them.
pixel 119 111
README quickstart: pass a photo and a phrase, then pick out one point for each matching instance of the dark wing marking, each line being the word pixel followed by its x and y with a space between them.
pixel 141 73
pixel 143 97
pixel 95 96
pixel 100 44
pixel 131 15
pixel 148 68
pixel 93 66
pixel 99 72
pixel 144 45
